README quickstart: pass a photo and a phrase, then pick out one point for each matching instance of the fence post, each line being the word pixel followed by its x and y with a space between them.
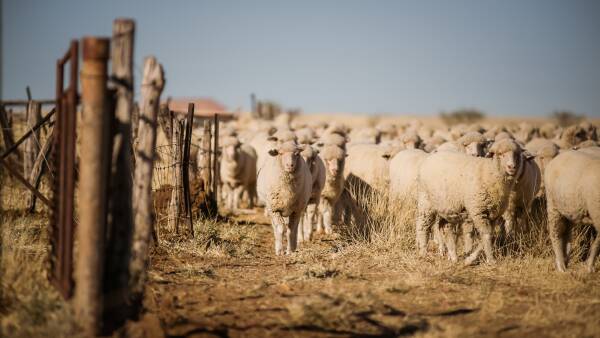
pixel 6 129
pixel 37 171
pixel 32 144
pixel 93 169
pixel 215 181
pixel 176 177
pixel 152 85
pixel 189 123
pixel 206 173
pixel 120 219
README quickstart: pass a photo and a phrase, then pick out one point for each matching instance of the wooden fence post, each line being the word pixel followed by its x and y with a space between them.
pixel 206 172
pixel 185 172
pixel 6 129
pixel 152 85
pixel 93 169
pixel 215 177
pixel 120 219
pixel 176 177
pixel 32 144
pixel 41 162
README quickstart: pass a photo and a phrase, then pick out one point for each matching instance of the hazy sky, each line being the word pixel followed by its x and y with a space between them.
pixel 504 57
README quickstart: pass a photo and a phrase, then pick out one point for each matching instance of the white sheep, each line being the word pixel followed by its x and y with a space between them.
pixel 572 181
pixel 317 170
pixel 457 187
pixel 284 183
pixel 334 159
pixel 369 164
pixel 527 186
pixel 237 172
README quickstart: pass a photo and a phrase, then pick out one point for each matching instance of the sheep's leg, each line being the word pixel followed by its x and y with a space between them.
pixel 438 237
pixel 278 223
pixel 320 217
pixel 593 253
pixel 467 228
pixel 327 218
pixel 484 227
pixel 251 195
pixel 557 228
pixel 425 218
pixel 311 212
pixel 237 195
pixel 450 236
pixel 292 232
pixel 300 236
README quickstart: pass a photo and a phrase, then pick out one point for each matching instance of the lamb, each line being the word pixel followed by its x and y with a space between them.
pixel 456 187
pixel 285 185
pixel 317 170
pixel 334 159
pixel 572 180
pixel 238 172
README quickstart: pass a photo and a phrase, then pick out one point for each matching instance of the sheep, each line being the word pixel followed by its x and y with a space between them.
pixel 456 187
pixel 403 173
pixel 527 186
pixel 366 136
pixel 590 130
pixel 387 130
pixel 472 143
pixel 285 184
pixel 572 181
pixel 536 144
pixel 410 140
pixel 334 159
pixel 306 136
pixel 238 172
pixel 332 139
pixel 317 170
pixel 542 157
pixel 433 142
pixel 571 137
pixel 368 164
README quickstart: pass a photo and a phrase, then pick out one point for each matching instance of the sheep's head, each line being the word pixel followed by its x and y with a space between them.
pixel 283 136
pixel 473 143
pixel 288 154
pixel 509 155
pixel 309 154
pixel 231 147
pixel 332 139
pixel 411 140
pixel 334 158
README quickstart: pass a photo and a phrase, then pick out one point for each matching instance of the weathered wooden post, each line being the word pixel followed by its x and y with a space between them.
pixel 206 172
pixel 93 169
pixel 165 120
pixel 120 219
pixel 215 181
pixel 41 162
pixel 32 144
pixel 6 129
pixel 176 177
pixel 185 173
pixel 152 85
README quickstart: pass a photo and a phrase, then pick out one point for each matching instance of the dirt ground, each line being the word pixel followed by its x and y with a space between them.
pixel 229 283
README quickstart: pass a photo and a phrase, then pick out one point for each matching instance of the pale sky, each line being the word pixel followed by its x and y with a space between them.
pixel 419 57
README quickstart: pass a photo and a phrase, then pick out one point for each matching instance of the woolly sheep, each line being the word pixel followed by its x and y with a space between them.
pixel 368 164
pixel 317 170
pixel 542 157
pixel 410 140
pixel 572 181
pixel 285 184
pixel 527 186
pixel 334 159
pixel 238 172
pixel 456 187
pixel 306 136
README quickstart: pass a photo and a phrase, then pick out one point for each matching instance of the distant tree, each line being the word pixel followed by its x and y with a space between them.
pixel 565 118
pixel 465 115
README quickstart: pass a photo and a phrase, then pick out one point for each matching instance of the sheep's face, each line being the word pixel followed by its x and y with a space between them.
pixel 510 161
pixel 474 149
pixel 334 166
pixel 231 152
pixel 288 155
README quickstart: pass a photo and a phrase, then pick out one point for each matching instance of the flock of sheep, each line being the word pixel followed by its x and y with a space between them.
pixel 464 180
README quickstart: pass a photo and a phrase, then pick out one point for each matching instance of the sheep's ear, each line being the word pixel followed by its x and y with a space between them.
pixel 273 152
pixel 320 144
pixel 271 138
pixel 316 151
pixel 386 156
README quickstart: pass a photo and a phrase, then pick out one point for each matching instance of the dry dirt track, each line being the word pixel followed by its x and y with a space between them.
pixel 235 286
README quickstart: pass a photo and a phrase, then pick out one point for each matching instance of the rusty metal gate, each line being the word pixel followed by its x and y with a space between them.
pixel 62 224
